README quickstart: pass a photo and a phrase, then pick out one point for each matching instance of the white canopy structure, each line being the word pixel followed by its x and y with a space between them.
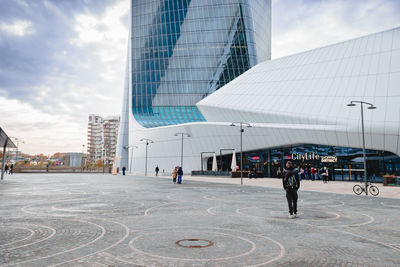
pixel 214 164
pixel 233 164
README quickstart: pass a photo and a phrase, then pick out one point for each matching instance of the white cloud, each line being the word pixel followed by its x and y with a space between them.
pixel 86 78
pixel 106 28
pixel 299 25
pixel 18 27
pixel 42 132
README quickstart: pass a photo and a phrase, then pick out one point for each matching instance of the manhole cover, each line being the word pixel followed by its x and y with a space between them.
pixel 194 243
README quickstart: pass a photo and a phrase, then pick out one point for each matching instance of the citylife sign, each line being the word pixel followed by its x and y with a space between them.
pixel 313 156
pixel 306 156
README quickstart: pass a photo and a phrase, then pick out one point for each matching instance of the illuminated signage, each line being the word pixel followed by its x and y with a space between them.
pixel 312 156
pixel 329 159
pixel 305 156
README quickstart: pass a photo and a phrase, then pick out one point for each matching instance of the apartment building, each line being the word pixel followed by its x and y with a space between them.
pixel 102 138
pixel 110 136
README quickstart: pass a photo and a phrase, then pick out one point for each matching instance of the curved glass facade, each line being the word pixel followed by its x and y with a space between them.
pixel 183 50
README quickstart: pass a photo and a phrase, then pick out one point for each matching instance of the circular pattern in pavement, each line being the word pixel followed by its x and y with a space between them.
pixel 155 245
pixel 248 226
pixel 194 243
pixel 14 234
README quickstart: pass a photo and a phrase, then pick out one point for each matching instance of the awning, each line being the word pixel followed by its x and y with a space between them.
pixel 5 140
pixel 361 159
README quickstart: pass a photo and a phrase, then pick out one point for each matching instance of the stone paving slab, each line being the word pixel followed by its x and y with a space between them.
pixel 106 220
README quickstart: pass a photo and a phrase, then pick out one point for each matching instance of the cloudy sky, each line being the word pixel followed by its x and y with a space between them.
pixel 63 59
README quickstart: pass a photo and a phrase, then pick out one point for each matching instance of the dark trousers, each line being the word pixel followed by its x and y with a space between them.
pixel 291 196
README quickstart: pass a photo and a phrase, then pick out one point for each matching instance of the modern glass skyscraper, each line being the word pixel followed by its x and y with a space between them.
pixel 183 50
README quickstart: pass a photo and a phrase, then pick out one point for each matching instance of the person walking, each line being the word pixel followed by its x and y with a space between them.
pixel 279 172
pixel 6 169
pixel 313 173
pixel 11 169
pixel 325 175
pixel 123 170
pixel 301 173
pixel 174 174
pixel 157 170
pixel 291 183
pixel 180 173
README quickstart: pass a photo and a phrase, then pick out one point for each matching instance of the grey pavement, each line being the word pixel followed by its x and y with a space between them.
pixel 106 220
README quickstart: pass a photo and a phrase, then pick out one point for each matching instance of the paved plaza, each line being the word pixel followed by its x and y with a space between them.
pixel 106 220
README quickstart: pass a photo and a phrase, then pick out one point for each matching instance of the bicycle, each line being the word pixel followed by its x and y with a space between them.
pixel 373 190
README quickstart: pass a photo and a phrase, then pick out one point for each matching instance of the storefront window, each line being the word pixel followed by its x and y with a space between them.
pixel 343 163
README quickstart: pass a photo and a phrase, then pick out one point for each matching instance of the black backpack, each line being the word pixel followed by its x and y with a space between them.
pixel 290 180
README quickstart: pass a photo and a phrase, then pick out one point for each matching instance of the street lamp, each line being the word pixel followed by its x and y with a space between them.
pixel 241 144
pixel 83 160
pixel 104 155
pixel 371 106
pixel 130 165
pixel 182 134
pixel 17 140
pixel 148 141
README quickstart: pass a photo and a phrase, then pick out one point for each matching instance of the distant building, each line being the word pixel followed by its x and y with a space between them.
pixel 95 138
pixel 102 138
pixel 110 136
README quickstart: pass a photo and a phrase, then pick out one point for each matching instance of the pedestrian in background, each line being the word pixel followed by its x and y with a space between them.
pixel 6 169
pixel 175 174
pixel 313 173
pixel 279 172
pixel 325 175
pixel 291 183
pixel 157 170
pixel 11 169
pixel 123 170
pixel 301 173
pixel 180 174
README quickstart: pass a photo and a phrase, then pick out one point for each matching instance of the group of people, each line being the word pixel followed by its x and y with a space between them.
pixel 312 173
pixel 177 173
pixel 8 169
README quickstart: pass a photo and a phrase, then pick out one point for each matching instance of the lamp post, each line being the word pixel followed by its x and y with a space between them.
pixel 83 160
pixel 371 106
pixel 241 145
pixel 104 155
pixel 17 140
pixel 148 141
pixel 130 164
pixel 182 134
